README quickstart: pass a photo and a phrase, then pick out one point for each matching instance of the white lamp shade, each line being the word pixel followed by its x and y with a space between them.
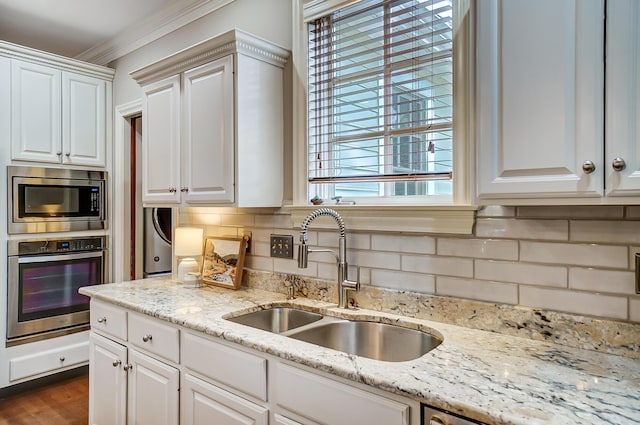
pixel 188 241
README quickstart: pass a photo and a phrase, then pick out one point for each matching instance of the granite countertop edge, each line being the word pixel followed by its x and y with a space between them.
pixel 494 378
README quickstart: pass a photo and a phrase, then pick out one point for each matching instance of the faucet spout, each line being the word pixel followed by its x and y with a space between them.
pixel 303 252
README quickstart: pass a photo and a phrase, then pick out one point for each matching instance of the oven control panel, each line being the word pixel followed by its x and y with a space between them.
pixel 53 246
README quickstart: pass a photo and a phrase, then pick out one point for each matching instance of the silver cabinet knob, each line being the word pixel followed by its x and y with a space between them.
pixel 59 153
pixel 618 164
pixel 128 366
pixel 147 338
pixel 62 359
pixel 588 167
pixel 116 363
pixel 68 154
pixel 102 320
pixel 172 190
pixel 184 189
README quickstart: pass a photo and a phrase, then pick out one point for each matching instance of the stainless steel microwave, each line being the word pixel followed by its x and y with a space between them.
pixel 44 200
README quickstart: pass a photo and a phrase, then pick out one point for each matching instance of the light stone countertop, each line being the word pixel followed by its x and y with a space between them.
pixel 495 378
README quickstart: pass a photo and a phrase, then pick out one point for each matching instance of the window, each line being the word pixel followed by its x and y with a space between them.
pixel 380 100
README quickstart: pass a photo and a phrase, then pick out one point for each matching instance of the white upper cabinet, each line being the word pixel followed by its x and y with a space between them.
pixel 161 141
pixel 540 104
pixel 622 130
pixel 217 109
pixel 57 116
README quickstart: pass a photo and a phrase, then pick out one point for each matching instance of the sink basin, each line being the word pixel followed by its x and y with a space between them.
pixel 277 319
pixel 378 341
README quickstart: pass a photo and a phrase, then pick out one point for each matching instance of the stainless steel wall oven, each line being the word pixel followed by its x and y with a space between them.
pixel 43 280
pixel 55 200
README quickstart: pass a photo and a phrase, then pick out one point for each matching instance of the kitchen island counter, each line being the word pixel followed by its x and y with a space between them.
pixel 486 376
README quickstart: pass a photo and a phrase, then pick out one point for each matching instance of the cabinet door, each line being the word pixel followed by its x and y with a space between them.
pixel 83 120
pixel 204 404
pixel 540 98
pixel 161 142
pixel 36 104
pixel 208 133
pixel 152 391
pixel 623 97
pixel 107 382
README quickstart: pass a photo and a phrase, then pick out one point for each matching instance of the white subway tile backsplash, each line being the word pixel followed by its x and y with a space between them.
pixel 498 292
pixel 273 221
pixel 381 260
pixel 533 274
pixel 258 263
pixel 417 282
pixel 245 220
pixel 478 248
pixel 412 244
pixel 597 280
pixel 522 229
pixel 572 211
pixel 627 232
pixel 586 303
pixel 574 254
pixel 496 211
pixel 448 266
pixel 634 309
pixel 566 258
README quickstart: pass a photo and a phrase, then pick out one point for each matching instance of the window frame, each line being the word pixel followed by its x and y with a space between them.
pixel 419 214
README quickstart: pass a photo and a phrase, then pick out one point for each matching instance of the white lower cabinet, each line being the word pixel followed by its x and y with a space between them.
pixel 211 381
pixel 152 391
pixel 126 385
pixel 204 403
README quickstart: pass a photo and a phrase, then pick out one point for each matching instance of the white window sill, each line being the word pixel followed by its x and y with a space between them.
pixel 451 219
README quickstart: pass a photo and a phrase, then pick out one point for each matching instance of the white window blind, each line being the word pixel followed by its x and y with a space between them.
pixel 380 99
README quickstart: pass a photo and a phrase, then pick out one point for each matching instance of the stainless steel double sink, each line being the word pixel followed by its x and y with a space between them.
pixel 378 341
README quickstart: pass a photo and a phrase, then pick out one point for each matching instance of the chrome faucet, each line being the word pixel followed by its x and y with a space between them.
pixel 344 284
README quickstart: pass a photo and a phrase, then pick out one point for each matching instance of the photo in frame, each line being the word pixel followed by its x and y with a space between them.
pixel 223 260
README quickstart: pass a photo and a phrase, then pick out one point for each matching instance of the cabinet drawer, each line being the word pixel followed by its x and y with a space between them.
pixel 109 319
pixel 48 361
pixel 155 337
pixel 349 405
pixel 237 369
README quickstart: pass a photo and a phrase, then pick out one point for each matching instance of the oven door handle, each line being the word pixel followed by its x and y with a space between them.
pixel 60 257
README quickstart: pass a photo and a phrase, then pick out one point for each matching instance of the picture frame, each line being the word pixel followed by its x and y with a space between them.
pixel 223 260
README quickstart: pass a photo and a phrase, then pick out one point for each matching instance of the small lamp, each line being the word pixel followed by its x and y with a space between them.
pixel 188 244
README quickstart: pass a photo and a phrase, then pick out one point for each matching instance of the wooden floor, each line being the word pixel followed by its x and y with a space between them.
pixel 60 403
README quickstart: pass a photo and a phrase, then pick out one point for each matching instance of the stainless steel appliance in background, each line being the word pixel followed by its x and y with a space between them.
pixel 157 241
pixel 45 200
pixel 43 280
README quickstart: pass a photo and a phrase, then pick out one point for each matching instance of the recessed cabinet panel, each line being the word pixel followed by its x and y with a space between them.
pixel 540 98
pixel 152 391
pixel 623 97
pixel 107 382
pixel 161 141
pixel 204 404
pixel 35 112
pixel 208 152
pixel 83 99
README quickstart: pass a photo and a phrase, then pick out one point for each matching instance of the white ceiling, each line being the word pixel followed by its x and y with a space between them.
pixel 70 27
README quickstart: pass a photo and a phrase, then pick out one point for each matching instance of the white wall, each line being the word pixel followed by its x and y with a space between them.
pixel 269 19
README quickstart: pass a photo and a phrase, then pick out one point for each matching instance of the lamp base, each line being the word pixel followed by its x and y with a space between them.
pixel 186 266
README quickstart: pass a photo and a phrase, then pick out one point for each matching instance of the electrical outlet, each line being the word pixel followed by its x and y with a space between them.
pixel 281 246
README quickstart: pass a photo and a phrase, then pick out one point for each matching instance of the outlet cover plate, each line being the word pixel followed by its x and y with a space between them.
pixel 281 246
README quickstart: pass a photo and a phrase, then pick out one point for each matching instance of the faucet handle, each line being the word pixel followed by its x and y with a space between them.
pixel 351 284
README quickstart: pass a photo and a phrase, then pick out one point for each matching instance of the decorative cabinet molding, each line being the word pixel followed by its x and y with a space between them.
pixel 218 108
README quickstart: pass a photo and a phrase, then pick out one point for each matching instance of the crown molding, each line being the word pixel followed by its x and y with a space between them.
pixel 165 21
pixel 24 53
pixel 234 41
